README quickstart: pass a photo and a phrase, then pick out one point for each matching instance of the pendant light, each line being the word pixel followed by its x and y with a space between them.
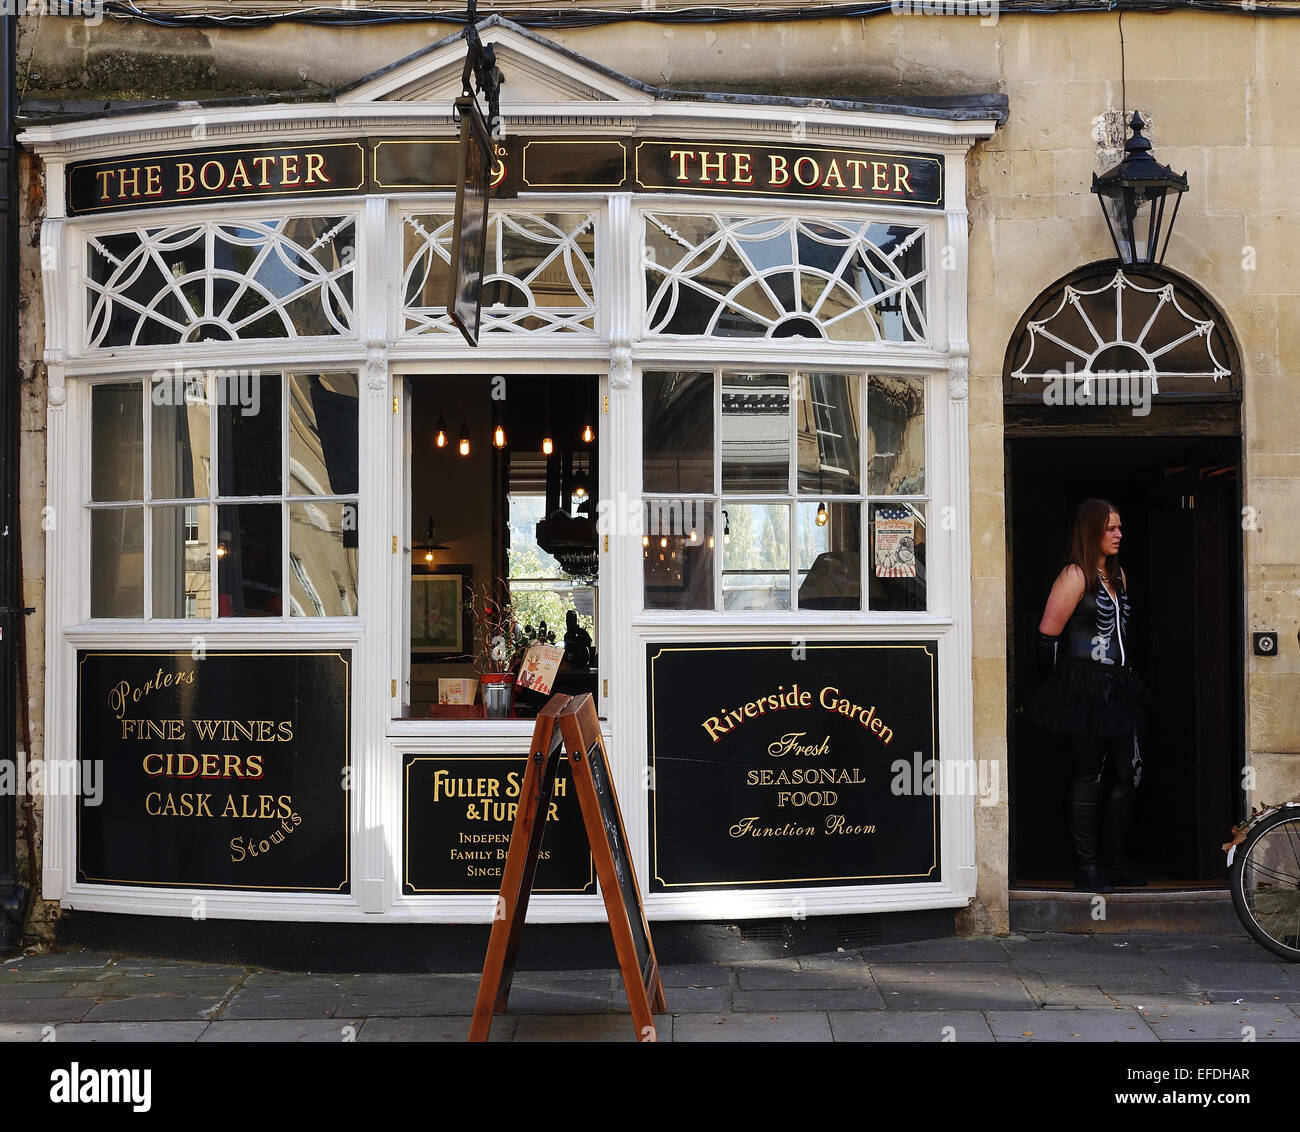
pixel 464 419
pixel 499 437
pixel 440 440
pixel 548 445
pixel 588 434
pixel 822 516
pixel 726 529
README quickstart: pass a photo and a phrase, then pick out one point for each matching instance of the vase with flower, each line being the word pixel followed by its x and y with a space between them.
pixel 496 636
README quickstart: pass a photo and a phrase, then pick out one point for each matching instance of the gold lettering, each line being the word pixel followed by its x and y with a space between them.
pixel 901 175
pixel 289 170
pixel 857 165
pixel 220 175
pixel 833 171
pixel 103 175
pixel 816 171
pixel 683 156
pixel 316 169
pixel 153 180
pixel 718 168
pixel 239 173
pixel 778 171
pixel 742 175
pixel 880 176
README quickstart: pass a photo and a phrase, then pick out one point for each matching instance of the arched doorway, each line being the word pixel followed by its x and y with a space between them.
pixel 1127 385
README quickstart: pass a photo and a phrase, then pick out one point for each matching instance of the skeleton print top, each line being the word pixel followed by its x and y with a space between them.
pixel 1097 632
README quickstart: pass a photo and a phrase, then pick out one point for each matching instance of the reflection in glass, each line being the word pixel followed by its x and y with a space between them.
pixel 896 572
pixel 248 434
pixel 827 439
pixel 677 433
pixel 829 557
pixel 756 556
pixel 248 560
pixel 182 568
pixel 117 561
pixel 323 434
pixel 896 435
pixel 322 568
pixel 755 433
pixel 116 442
pixel 677 549
pixel 181 456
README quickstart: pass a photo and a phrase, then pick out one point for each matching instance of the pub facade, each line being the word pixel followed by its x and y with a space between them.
pixel 719 439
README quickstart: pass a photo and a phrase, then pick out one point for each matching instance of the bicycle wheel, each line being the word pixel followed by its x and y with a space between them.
pixel 1265 883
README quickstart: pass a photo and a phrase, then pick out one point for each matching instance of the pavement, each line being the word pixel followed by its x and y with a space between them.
pixel 1044 987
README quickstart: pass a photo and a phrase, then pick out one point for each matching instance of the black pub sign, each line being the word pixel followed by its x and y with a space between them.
pixel 780 764
pixel 218 770
pixel 520 163
pixel 457 815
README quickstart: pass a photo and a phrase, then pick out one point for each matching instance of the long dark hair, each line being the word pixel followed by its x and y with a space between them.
pixel 1085 538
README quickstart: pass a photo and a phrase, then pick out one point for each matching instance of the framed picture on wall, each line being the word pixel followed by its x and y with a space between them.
pixel 441 628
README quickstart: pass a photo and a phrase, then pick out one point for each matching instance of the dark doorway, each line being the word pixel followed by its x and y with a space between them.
pixel 1180 501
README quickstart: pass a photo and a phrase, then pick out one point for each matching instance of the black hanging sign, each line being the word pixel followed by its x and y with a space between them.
pixel 458 811
pixel 226 770
pixel 803 765
pixel 469 232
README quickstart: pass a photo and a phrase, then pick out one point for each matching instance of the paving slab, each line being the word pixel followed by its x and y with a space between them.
pixel 1053 995
pixel 432 1029
pixel 24 1031
pixel 683 1000
pixel 303 980
pixel 103 987
pixel 129 1031
pixel 141 983
pixel 45 1009
pixel 1131 983
pixel 154 1008
pixel 444 1001
pixel 10 977
pixel 273 1002
pixel 942 972
pixel 1069 1026
pixel 937 951
pixel 1253 976
pixel 696 975
pixel 785 1001
pixel 11 992
pixel 842 975
pixel 368 984
pixel 1218 1022
pixel 975 995
pixel 180 968
pixel 774 1027
pixel 585 1028
pixel 560 998
pixel 913 1026
pixel 297 1030
pixel 61 961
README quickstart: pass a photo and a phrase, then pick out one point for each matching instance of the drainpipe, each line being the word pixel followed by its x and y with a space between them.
pixel 13 897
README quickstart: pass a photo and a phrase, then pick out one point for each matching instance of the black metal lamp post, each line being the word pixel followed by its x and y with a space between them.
pixel 1133 198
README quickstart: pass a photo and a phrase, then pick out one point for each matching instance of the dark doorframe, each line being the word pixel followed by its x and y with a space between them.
pixel 1176 477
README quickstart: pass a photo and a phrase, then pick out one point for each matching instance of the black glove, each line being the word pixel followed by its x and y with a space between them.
pixel 1048 650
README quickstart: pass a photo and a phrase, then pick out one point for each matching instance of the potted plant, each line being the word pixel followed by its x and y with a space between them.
pixel 496 637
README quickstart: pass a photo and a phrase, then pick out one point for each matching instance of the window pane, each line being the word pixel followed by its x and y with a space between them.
pixel 322 566
pixel 677 552
pixel 117 562
pixel 677 432
pixel 323 434
pixel 830 562
pixel 181 459
pixel 248 560
pixel 248 433
pixel 828 434
pixel 897 569
pixel 756 556
pixel 182 570
pixel 755 433
pixel 896 435
pixel 116 442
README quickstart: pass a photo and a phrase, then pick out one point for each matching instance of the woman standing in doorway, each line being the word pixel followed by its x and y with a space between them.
pixel 1091 696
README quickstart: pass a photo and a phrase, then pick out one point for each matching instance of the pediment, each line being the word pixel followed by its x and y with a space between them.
pixel 536 73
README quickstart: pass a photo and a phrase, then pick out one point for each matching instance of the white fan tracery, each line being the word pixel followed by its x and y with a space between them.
pixel 539 273
pixel 222 280
pixel 1090 336
pixel 852 281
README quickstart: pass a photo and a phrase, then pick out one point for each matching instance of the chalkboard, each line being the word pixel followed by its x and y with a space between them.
pixel 580 726
pixel 224 770
pixel 812 765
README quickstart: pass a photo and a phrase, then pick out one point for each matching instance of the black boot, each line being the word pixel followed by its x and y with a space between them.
pixel 1085 817
pixel 1120 806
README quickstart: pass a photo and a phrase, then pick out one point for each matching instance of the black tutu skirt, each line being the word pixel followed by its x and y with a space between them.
pixel 1090 700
